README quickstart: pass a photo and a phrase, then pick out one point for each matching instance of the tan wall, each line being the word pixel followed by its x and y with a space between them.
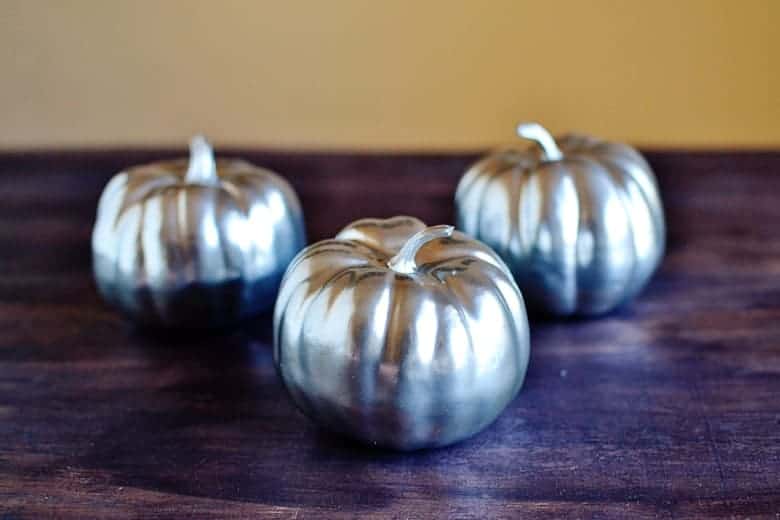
pixel 389 74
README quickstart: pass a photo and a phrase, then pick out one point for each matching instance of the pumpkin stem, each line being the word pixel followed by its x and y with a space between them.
pixel 538 133
pixel 202 168
pixel 404 261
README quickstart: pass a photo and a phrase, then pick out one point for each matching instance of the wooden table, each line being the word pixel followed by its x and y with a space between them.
pixel 669 408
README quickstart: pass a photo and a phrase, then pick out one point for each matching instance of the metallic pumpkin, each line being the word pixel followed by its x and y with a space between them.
pixel 195 245
pixel 578 221
pixel 401 335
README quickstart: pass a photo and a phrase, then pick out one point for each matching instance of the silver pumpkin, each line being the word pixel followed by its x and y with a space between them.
pixel 399 335
pixel 195 245
pixel 579 221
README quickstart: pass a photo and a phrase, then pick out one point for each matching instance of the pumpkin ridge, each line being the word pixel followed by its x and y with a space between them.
pixel 480 173
pixel 582 184
pixel 362 354
pixel 232 267
pixel 522 188
pixel 301 257
pixel 125 236
pixel 516 214
pixel 576 181
pixel 595 164
pixel 483 168
pixel 494 176
pixel 512 321
pixel 157 301
pixel 159 183
pixel 620 180
pixel 113 197
pixel 455 302
pixel 550 182
pixel 505 305
pixel 306 306
pixel 632 170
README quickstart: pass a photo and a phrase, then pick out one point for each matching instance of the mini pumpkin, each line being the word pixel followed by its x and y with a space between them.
pixel 401 335
pixel 579 221
pixel 195 245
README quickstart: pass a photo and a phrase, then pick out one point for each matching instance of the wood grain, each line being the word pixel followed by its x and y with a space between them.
pixel 668 408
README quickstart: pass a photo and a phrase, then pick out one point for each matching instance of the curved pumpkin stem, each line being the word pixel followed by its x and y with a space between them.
pixel 202 168
pixel 539 134
pixel 404 262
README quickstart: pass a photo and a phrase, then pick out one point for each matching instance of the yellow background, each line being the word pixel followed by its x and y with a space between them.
pixel 387 75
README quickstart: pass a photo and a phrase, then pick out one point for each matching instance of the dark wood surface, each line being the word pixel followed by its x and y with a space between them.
pixel 669 408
